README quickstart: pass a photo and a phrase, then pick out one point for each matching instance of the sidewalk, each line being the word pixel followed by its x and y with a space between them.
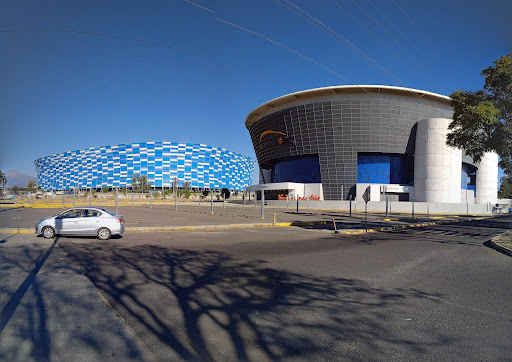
pixel 46 307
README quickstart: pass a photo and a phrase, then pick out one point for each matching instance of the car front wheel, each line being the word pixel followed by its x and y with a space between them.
pixel 48 232
pixel 104 234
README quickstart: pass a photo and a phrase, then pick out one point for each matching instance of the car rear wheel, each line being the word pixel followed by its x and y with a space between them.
pixel 104 234
pixel 48 232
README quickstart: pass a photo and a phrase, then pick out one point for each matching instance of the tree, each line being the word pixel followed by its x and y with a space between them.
pixel 104 189
pixel 144 184
pixel 3 179
pixel 31 185
pixel 186 189
pixel 225 193
pixel 135 182
pixel 140 183
pixel 482 120
pixel 123 190
pixel 505 191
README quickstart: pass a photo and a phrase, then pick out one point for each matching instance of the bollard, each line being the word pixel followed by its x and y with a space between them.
pixel 63 203
pixel 150 199
pixel 262 204
pixel 365 213
pixel 90 196
pixel 413 206
pixel 73 197
pixel 117 198
pixel 274 222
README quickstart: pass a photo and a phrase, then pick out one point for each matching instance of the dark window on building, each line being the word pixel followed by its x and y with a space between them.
pixel 303 169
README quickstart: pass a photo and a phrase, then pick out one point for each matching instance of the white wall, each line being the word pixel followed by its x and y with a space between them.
pixel 487 179
pixel 437 167
pixel 395 207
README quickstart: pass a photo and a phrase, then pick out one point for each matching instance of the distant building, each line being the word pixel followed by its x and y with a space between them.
pixel 342 142
pixel 202 166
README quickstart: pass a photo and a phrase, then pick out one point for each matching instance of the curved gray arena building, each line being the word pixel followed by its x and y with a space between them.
pixel 344 136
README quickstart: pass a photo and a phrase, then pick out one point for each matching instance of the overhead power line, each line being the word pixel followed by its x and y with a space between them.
pixel 326 29
pixel 287 48
pixel 426 40
pixel 379 39
pixel 393 39
pixel 199 6
pixel 151 43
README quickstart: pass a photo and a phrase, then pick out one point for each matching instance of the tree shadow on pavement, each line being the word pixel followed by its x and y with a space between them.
pixel 205 305
pixel 40 312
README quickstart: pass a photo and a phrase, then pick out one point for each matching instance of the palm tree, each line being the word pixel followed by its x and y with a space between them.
pixel 135 182
pixel 144 182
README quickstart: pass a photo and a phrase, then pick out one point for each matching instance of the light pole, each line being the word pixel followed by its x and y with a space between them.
pixel 175 194
pixel 117 197
pixel 262 204
pixel 211 202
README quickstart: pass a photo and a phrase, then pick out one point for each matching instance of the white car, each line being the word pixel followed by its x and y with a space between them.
pixel 92 221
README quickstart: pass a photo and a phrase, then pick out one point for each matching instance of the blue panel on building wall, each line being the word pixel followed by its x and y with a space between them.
pixel 304 169
pixel 384 168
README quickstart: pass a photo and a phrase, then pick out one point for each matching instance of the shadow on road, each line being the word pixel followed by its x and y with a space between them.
pixel 205 305
pixel 36 330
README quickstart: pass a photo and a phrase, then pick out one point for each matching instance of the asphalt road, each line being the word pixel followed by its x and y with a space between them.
pixel 296 294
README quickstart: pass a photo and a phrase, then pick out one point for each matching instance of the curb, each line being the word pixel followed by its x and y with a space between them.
pixel 185 228
pixel 17 231
pixel 396 227
pixel 495 243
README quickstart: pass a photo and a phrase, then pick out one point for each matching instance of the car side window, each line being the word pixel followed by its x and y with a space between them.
pixel 70 214
pixel 91 213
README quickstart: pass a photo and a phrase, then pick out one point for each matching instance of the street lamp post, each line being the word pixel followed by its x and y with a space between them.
pixel 211 202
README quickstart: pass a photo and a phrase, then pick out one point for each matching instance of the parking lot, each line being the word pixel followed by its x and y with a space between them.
pixel 234 214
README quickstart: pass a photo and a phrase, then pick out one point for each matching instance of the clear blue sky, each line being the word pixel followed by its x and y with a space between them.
pixel 201 76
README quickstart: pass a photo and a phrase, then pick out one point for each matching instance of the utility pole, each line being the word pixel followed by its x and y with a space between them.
pixel 211 202
pixel 262 204
pixel 117 197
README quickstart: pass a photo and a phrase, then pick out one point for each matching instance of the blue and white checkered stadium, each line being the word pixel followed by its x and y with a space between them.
pixel 202 166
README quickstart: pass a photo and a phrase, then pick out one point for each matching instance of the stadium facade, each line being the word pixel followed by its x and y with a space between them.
pixel 202 166
pixel 365 142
